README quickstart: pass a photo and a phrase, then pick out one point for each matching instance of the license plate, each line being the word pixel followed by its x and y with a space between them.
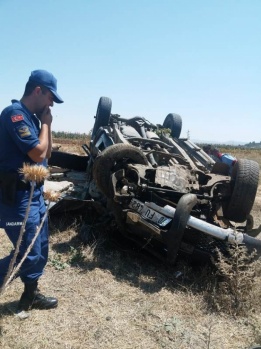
pixel 148 213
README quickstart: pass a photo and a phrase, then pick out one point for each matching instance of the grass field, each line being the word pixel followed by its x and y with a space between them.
pixel 114 296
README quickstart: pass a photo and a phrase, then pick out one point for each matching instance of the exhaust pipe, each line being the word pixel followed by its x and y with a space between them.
pixel 174 235
pixel 230 235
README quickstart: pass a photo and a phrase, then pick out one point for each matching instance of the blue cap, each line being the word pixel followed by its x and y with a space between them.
pixel 44 78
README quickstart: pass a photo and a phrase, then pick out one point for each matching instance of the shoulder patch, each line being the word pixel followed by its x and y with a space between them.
pixel 24 131
pixel 16 118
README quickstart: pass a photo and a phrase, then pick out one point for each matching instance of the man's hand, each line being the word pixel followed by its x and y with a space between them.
pixel 45 116
pixel 43 150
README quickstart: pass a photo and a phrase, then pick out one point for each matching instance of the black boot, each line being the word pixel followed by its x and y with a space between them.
pixel 33 299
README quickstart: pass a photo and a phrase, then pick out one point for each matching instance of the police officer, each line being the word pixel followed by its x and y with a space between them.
pixel 25 137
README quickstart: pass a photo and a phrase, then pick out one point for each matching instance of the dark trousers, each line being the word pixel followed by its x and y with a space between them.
pixel 11 219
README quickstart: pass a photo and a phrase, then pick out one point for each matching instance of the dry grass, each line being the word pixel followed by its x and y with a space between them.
pixel 112 296
pixel 235 288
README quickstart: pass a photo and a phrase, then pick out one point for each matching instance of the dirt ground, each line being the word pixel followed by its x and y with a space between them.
pixel 111 296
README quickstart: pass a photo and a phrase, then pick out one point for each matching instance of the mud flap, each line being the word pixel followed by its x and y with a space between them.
pixel 174 235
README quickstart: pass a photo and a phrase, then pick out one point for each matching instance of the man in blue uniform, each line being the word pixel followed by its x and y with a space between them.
pixel 25 137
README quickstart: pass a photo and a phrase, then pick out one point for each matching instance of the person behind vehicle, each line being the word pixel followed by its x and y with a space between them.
pixel 25 137
pixel 217 156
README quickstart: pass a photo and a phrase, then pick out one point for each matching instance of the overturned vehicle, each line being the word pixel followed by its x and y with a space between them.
pixel 162 191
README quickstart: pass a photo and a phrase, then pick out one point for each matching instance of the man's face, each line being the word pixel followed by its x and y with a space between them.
pixel 44 99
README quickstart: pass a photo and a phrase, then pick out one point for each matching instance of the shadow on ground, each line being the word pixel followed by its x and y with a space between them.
pixel 127 262
pixel 8 308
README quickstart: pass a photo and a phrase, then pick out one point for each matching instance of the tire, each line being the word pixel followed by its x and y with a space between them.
pixel 245 176
pixel 68 160
pixel 102 115
pixel 116 154
pixel 174 123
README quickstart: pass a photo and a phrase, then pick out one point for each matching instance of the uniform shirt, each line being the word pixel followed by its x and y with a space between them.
pixel 19 133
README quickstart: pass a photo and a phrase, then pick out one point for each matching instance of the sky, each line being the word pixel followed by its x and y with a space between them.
pixel 200 59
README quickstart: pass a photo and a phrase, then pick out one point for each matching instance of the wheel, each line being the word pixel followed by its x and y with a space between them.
pixel 68 160
pixel 244 183
pixel 116 154
pixel 174 123
pixel 102 115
